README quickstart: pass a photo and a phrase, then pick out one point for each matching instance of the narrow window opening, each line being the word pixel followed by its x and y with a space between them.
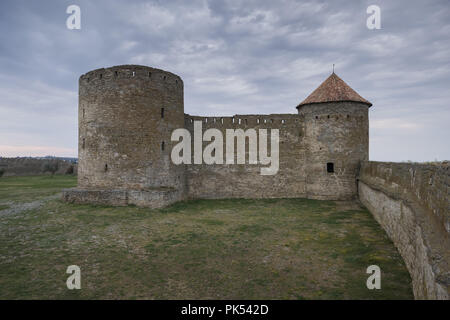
pixel 246 122
pixel 328 116
pixel 330 167
pixel 232 120
pixel 101 75
pixel 116 73
pixel 265 120
pixel 162 146
pixel 221 120
pixel 164 77
pixel 257 120
pixel 348 116
pixel 162 113
pixel 317 117
pixel 84 143
pixel 106 167
pixel 240 121
pixel 149 74
pixel 83 113
pixel 283 121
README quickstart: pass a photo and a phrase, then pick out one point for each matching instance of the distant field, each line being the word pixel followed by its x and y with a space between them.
pixel 205 249
pixel 27 188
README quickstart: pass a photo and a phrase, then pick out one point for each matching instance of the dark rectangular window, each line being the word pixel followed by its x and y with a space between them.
pixel 330 167
pixel 162 146
pixel 162 113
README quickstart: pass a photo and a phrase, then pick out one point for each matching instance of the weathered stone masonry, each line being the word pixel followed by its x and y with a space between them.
pixel 324 133
pixel 126 117
pixel 411 202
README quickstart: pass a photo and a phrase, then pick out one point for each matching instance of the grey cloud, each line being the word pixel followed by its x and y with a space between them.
pixel 253 56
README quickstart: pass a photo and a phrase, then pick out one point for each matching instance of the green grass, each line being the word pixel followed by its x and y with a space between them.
pixel 33 187
pixel 202 249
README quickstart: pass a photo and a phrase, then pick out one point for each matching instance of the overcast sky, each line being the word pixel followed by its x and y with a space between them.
pixel 234 57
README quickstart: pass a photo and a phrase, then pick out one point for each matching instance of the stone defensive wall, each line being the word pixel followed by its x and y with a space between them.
pixel 245 180
pixel 411 202
pixel 335 134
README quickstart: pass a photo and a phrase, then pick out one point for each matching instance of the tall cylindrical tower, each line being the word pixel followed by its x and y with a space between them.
pixel 336 137
pixel 126 116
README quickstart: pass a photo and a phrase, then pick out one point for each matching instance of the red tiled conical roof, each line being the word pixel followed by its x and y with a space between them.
pixel 333 89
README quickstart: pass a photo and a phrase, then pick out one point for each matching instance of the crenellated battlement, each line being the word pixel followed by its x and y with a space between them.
pixel 129 74
pixel 247 120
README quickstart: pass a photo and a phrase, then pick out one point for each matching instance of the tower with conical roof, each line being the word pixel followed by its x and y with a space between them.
pixel 336 138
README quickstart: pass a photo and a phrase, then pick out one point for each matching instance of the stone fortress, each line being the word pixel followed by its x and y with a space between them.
pixel 128 113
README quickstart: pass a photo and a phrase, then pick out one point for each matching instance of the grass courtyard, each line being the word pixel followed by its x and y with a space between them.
pixel 203 249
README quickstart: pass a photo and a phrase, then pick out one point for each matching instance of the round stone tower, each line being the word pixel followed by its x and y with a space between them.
pixel 126 117
pixel 336 138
